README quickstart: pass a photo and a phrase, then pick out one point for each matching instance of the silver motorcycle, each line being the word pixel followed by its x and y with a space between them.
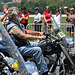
pixel 11 61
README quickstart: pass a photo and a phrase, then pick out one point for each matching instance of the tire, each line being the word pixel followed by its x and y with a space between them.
pixel 49 64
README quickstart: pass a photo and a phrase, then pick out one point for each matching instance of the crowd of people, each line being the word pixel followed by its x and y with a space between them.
pixel 48 22
pixel 38 17
pixel 20 35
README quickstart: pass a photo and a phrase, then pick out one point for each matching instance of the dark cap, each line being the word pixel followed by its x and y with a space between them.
pixel 36 8
pixel 23 8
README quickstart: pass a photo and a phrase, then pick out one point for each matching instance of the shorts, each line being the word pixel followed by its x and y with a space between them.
pixel 70 28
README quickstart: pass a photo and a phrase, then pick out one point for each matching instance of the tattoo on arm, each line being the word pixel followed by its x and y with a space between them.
pixel 16 30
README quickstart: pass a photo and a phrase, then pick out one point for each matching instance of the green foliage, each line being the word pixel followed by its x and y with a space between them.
pixel 31 4
pixel 54 4
pixel 1 6
pixel 5 1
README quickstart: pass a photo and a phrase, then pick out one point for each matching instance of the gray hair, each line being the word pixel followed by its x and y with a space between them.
pixel 12 11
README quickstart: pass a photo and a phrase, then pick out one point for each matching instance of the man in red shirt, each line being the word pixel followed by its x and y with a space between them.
pixel 24 17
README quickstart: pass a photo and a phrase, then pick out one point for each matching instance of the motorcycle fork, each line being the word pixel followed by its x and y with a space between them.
pixel 53 67
pixel 68 56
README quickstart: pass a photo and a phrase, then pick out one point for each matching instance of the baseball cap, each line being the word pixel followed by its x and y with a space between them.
pixel 36 8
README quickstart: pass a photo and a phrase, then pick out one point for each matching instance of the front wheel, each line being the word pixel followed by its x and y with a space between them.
pixel 58 70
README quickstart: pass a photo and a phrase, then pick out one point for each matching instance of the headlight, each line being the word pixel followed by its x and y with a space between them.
pixel 68 42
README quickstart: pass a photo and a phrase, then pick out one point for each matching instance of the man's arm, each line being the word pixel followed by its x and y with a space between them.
pixel 45 19
pixel 60 11
pixel 19 33
pixel 33 32
pixel 25 18
pixel 38 20
pixel 2 18
pixel 65 10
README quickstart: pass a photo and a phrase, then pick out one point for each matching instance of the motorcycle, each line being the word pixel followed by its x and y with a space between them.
pixel 57 52
pixel 11 61
pixel 52 50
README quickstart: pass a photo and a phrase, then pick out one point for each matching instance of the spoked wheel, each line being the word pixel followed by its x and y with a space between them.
pixel 59 70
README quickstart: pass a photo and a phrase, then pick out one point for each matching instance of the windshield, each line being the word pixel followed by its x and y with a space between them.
pixel 7 43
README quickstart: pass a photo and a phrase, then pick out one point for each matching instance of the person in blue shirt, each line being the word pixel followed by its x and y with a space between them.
pixel 37 19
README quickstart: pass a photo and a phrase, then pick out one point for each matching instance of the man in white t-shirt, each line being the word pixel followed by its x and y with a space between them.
pixel 57 18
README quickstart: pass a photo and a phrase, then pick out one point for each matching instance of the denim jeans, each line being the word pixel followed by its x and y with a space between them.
pixel 36 52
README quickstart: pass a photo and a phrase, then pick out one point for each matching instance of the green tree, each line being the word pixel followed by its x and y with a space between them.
pixel 31 4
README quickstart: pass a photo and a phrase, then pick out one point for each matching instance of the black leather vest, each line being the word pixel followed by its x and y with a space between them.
pixel 18 41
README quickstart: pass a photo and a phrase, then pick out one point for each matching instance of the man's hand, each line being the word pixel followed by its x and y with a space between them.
pixel 23 17
pixel 46 21
pixel 6 11
pixel 59 8
pixel 34 23
pixel 65 7
pixel 42 37
pixel 47 25
pixel 41 33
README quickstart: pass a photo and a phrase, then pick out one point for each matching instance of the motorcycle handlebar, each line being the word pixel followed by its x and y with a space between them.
pixel 48 36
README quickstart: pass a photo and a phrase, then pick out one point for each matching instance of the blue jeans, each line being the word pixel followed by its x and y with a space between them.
pixel 36 52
